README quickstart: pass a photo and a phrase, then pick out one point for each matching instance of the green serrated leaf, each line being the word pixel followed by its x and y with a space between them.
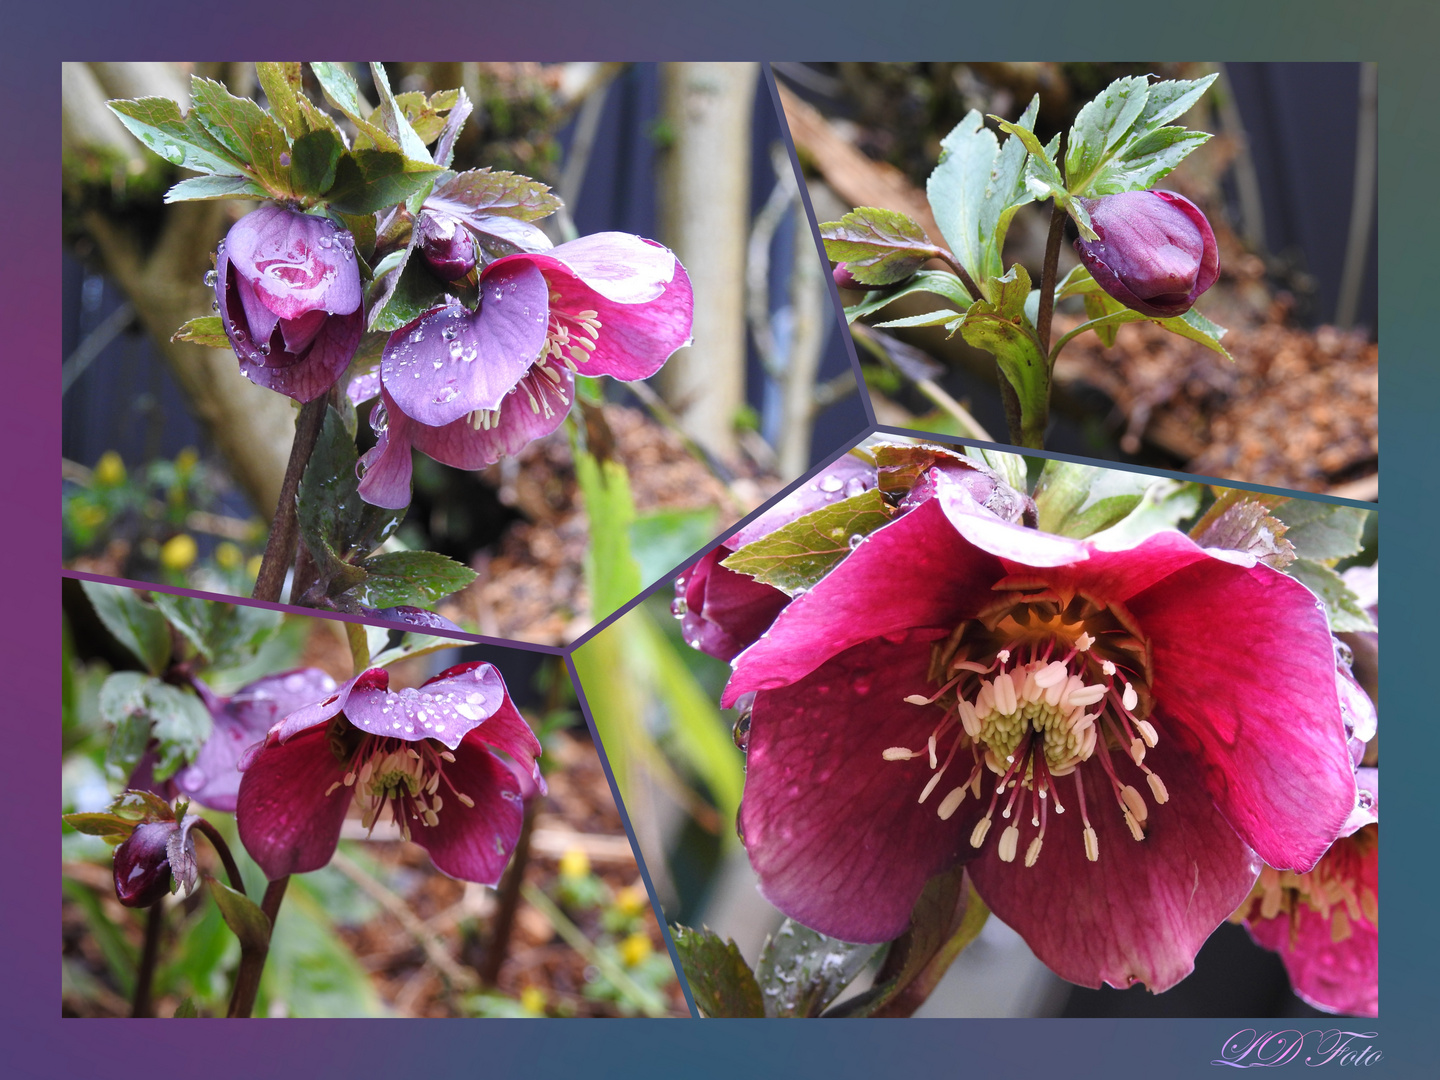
pixel 283 83
pixel 943 317
pixel 1149 150
pixel 1323 531
pixel 1237 522
pixel 411 578
pixel 186 1010
pixel 226 635
pixel 720 980
pixel 112 825
pixel 313 159
pixel 205 330
pixel 878 247
pixel 1042 176
pixel 939 282
pixel 1197 327
pixel 368 180
pixel 1079 500
pixel 1099 308
pixel 343 92
pixel 1342 607
pixel 406 294
pixel 801 970
pixel 135 624
pixel 198 188
pixel 1077 282
pixel 180 140
pixel 975 190
pixel 392 116
pixel 1101 125
pixel 247 131
pixel 338 526
pixel 799 554
pixel 141 708
pixel 484 192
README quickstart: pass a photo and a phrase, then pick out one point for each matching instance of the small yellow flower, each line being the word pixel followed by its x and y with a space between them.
pixel 635 950
pixel 632 900
pixel 109 470
pixel 90 516
pixel 574 864
pixel 532 1000
pixel 228 556
pixel 186 460
pixel 178 553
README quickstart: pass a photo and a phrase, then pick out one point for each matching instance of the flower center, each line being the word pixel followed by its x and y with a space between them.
pixel 1333 889
pixel 406 776
pixel 1036 688
pixel 571 336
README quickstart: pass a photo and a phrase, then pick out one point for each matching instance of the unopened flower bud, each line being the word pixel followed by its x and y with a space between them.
pixel 1155 253
pixel 447 245
pixel 142 864
pixel 844 279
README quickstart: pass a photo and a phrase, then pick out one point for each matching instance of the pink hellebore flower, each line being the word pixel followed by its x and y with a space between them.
pixel 1103 735
pixel 1325 924
pixel 431 755
pixel 1156 252
pixel 288 289
pixel 468 388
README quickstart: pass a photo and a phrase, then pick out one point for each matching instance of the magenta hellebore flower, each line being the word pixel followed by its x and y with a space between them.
pixel 1325 924
pixel 288 290
pixel 1108 738
pixel 1155 253
pixel 468 388
pixel 431 755
pixel 213 778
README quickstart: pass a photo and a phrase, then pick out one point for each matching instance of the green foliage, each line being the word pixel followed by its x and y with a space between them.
pixel 138 626
pixel 419 578
pixel 796 556
pixel 720 981
pixel 141 708
pixel 878 247
pixel 1120 142
pixel 1080 500
pixel 940 282
pixel 801 971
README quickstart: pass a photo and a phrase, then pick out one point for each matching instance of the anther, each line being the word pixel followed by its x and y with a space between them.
pixel 899 753
pixel 929 787
pixel 1135 830
pixel 1134 803
pixel 1084 641
pixel 1092 845
pixel 1137 751
pixel 1009 841
pixel 331 789
pixel 1032 853
pixel 1130 698
pixel 952 802
pixel 1147 732
pixel 1157 788
pixel 465 800
pixel 977 836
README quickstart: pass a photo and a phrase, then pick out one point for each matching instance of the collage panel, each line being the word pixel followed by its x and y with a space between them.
pixel 1176 263
pixel 426 823
pixel 949 731
pixel 485 346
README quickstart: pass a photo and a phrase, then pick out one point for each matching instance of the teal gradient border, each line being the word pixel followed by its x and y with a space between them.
pixel 1401 36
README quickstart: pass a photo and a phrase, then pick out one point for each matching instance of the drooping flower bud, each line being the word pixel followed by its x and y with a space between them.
pixel 142 864
pixel 288 289
pixel 1156 252
pixel 447 245
pixel 844 279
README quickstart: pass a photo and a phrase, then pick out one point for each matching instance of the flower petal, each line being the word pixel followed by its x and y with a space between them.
pixel 316 371
pixel 725 611
pixel 502 725
pixel 213 778
pixel 1244 677
pixel 916 572
pixel 535 408
pixel 639 292
pixel 386 466
pixel 452 362
pixel 475 843
pixel 1142 911
pixel 297 262
pixel 834 831
pixel 989 532
pixel 287 822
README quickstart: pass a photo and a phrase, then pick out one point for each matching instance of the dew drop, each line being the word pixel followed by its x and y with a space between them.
pixel 741 732
pixel 211 277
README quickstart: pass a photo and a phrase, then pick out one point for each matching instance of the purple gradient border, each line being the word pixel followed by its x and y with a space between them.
pixel 39 1044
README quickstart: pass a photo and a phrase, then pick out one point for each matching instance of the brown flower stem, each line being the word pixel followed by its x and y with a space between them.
pixel 963 275
pixel 145 977
pixel 223 850
pixel 508 902
pixel 1048 274
pixel 280 548
pixel 252 960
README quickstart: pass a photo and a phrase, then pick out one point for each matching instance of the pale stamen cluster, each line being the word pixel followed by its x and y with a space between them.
pixel 1331 890
pixel 403 775
pixel 570 337
pixel 1031 725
